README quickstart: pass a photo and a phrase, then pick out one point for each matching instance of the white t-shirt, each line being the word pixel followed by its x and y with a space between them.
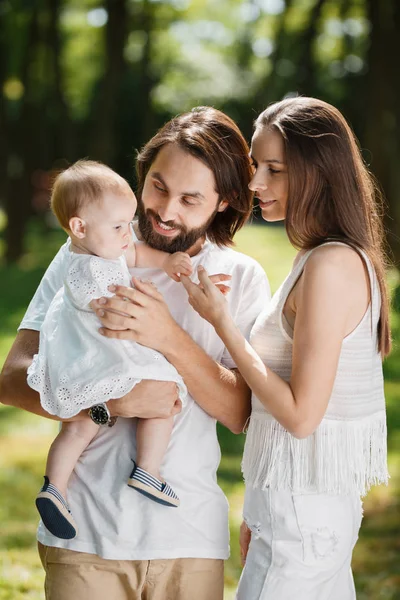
pixel 114 521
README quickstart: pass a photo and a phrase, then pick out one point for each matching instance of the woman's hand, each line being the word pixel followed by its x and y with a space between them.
pixel 206 297
pixel 137 314
pixel 244 541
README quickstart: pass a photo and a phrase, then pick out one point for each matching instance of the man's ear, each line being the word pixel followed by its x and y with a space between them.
pixel 77 227
pixel 223 205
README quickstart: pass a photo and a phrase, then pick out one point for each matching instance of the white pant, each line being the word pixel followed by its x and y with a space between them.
pixel 301 546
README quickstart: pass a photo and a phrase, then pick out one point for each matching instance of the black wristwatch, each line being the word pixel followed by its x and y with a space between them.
pixel 100 415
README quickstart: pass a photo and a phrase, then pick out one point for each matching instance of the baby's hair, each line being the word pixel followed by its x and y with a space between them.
pixel 84 183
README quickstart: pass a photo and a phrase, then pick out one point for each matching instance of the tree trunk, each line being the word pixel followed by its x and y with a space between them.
pixel 21 151
pixel 382 99
pixel 103 137
pixel 61 125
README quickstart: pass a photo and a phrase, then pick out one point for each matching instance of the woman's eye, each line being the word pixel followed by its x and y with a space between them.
pixel 117 227
pixel 273 171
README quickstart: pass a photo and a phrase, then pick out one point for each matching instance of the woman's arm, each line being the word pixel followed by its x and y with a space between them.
pixel 331 298
pixel 221 392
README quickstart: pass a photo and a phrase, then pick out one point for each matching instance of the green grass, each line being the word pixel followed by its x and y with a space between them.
pixel 25 438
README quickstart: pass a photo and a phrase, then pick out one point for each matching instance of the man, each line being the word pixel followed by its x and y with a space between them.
pixel 193 196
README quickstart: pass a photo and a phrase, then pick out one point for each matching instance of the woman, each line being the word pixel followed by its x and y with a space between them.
pixel 317 435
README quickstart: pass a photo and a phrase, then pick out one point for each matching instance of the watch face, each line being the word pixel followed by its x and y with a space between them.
pixel 99 414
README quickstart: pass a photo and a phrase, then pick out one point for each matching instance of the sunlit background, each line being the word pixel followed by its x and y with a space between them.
pixel 85 78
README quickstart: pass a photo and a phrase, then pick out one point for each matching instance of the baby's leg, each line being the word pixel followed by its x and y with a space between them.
pixel 66 449
pixel 152 439
pixel 64 454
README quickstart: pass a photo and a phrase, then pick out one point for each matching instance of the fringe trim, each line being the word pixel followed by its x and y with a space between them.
pixel 340 457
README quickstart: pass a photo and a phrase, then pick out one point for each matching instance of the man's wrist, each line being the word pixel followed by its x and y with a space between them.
pixel 175 343
pixel 100 414
pixel 113 407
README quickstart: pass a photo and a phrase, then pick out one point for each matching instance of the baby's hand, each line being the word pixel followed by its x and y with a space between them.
pixel 178 264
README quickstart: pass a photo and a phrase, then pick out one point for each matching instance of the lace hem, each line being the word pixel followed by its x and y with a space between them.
pixel 67 398
pixel 339 457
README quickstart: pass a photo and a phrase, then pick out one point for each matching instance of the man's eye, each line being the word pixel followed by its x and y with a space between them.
pixel 187 202
pixel 160 189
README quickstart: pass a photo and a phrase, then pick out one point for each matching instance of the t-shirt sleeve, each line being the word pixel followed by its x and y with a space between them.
pixel 51 282
pixel 255 296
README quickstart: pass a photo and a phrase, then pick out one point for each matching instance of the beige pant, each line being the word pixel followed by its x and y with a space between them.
pixel 79 576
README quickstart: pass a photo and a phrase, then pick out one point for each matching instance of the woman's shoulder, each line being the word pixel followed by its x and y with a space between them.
pixel 336 271
pixel 338 261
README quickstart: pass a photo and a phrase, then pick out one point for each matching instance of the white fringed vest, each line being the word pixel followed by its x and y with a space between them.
pixel 347 452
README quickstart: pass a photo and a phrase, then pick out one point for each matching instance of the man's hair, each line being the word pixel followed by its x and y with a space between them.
pixel 332 195
pixel 212 137
pixel 83 183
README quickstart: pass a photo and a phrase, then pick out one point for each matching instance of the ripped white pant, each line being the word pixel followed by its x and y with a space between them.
pixel 301 546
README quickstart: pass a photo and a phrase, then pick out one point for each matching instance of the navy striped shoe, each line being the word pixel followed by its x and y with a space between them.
pixel 54 512
pixel 159 491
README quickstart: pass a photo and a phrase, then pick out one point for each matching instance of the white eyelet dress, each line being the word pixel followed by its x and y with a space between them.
pixel 76 367
pixel 302 500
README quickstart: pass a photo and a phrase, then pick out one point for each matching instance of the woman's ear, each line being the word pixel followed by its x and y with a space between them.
pixel 223 205
pixel 77 227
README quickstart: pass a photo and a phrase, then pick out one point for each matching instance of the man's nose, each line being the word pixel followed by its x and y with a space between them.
pixel 168 210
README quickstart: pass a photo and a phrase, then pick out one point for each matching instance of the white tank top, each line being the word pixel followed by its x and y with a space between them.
pixel 347 452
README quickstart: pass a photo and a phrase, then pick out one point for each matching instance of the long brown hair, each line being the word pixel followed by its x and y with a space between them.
pixel 212 137
pixel 332 195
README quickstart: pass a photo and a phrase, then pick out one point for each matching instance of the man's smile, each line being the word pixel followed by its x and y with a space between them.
pixel 162 228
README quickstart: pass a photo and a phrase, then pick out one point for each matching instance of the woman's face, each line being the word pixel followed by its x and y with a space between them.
pixel 270 179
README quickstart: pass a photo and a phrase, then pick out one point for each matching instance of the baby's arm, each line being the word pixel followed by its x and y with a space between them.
pixel 142 255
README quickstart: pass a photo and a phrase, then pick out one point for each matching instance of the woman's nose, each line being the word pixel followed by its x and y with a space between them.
pixel 256 183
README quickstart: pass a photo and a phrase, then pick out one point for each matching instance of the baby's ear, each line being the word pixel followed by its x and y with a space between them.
pixel 77 227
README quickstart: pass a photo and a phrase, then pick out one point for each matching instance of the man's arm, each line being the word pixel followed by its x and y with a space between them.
pixel 148 399
pixel 14 389
pixel 222 393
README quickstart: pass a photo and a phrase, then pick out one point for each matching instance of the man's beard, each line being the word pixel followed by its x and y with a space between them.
pixel 180 243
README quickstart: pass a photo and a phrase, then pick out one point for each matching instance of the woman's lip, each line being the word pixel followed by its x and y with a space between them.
pixel 160 230
pixel 264 204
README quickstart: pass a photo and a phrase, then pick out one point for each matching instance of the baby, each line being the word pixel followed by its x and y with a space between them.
pixel 76 367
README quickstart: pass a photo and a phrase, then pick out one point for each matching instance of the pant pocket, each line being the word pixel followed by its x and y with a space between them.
pixel 326 524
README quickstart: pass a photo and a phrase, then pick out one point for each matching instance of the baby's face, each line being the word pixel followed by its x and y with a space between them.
pixel 108 230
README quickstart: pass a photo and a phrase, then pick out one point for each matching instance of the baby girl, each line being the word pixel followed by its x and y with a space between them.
pixel 76 367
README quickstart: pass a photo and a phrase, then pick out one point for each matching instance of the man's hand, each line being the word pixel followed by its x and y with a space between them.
pixel 148 400
pixel 137 314
pixel 178 264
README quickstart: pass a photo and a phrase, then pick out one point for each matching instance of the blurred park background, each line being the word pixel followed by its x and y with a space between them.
pixel 92 78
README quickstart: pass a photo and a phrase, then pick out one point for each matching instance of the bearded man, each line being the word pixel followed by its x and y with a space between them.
pixel 193 196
